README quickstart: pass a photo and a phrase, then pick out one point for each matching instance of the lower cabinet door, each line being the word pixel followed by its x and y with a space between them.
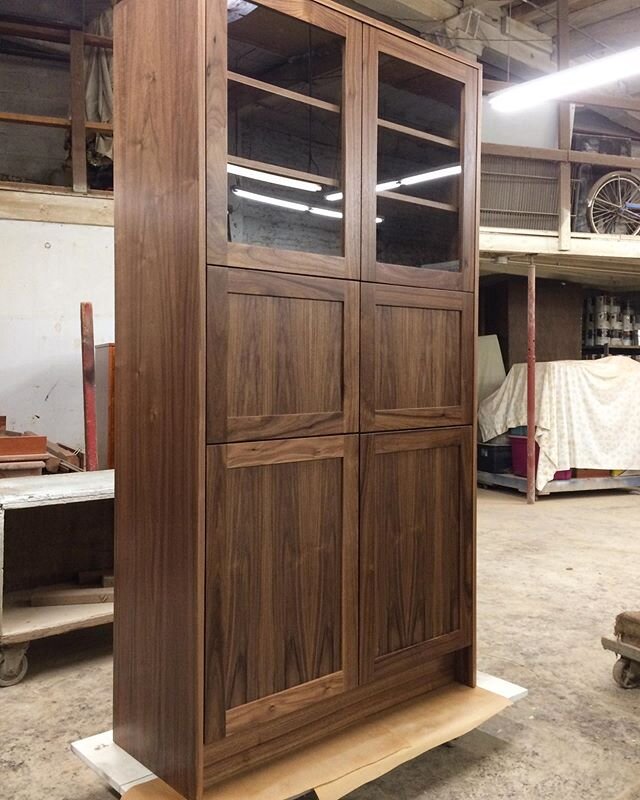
pixel 281 578
pixel 416 548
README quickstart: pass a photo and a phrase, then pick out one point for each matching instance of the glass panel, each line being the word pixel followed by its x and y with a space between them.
pixel 419 173
pixel 269 128
pixel 284 51
pixel 285 154
pixel 411 95
pixel 417 236
pixel 282 217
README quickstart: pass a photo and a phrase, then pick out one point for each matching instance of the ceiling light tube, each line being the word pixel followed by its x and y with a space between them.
pixel 386 185
pixel 570 81
pixel 271 201
pixel 326 212
pixel 333 196
pixel 269 177
pixel 432 175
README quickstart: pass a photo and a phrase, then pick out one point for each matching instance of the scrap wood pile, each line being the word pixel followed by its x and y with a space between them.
pixel 94 586
pixel 24 454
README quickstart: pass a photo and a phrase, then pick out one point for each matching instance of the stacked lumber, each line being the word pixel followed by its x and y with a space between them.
pixel 94 586
pixel 28 453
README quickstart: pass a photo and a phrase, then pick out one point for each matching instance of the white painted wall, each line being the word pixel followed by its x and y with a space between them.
pixel 46 270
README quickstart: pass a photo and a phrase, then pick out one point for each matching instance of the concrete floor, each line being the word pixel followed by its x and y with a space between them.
pixel 550 581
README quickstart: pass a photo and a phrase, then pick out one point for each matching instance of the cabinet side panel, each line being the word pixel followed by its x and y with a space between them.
pixel 160 320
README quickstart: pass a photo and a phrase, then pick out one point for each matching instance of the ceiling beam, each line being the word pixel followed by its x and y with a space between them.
pixel 594 14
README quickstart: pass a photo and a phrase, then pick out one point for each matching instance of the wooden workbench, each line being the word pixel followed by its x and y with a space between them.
pixel 51 527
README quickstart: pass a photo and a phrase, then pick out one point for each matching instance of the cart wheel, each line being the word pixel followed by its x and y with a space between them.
pixel 12 671
pixel 626 674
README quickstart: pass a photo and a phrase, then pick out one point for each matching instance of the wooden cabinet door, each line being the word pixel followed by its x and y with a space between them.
pixel 281 578
pixel 416 549
pixel 284 138
pixel 417 358
pixel 282 355
pixel 420 152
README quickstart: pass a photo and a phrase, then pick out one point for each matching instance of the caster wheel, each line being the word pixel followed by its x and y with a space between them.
pixel 12 673
pixel 625 674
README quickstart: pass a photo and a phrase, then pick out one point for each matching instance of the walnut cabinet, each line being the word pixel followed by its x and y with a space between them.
pixel 296 268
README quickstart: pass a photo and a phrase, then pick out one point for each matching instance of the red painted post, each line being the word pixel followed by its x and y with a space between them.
pixel 531 384
pixel 89 388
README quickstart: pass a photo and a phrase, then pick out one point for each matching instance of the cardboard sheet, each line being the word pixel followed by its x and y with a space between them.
pixel 344 761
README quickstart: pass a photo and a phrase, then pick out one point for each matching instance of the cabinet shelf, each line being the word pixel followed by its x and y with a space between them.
pixel 419 201
pixel 418 134
pixel 236 77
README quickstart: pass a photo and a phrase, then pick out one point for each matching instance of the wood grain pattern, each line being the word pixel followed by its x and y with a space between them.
pixel 282 532
pixel 269 708
pixel 466 659
pixel 160 320
pixel 282 355
pixel 280 625
pixel 416 526
pixel 417 358
pixel 267 741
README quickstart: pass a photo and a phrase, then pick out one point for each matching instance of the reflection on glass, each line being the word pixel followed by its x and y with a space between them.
pixel 283 217
pixel 284 51
pixel 411 95
pixel 419 172
pixel 285 152
pixel 273 129
pixel 417 236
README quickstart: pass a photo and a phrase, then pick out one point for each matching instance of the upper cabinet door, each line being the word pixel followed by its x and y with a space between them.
pixel 419 166
pixel 283 137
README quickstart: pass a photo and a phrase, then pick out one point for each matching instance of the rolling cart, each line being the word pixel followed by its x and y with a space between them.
pixel 626 645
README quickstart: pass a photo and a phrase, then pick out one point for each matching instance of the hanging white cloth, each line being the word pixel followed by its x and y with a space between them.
pixel 587 413
pixel 99 81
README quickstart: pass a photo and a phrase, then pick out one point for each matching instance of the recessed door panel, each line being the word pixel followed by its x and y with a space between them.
pixel 282 355
pixel 416 548
pixel 417 368
pixel 281 577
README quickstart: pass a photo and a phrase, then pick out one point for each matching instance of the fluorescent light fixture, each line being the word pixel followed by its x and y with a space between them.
pixel 271 201
pixel 333 197
pixel 275 201
pixel 269 177
pixel 326 212
pixel 384 187
pixel 568 81
pixel 432 175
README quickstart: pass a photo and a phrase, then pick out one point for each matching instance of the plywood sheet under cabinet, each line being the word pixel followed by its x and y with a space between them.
pixel 341 763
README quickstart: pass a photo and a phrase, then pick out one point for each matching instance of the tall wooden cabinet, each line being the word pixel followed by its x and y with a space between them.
pixel 296 267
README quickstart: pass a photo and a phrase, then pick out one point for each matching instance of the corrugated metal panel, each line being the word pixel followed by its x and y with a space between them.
pixel 519 193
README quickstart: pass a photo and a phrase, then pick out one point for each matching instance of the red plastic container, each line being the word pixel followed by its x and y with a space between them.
pixel 519 459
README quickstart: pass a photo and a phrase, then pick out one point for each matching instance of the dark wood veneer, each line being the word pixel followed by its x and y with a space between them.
pixel 160 321
pixel 282 355
pixel 295 504
pixel 417 358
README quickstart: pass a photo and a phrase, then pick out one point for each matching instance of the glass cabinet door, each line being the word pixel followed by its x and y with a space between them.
pixel 419 165
pixel 283 139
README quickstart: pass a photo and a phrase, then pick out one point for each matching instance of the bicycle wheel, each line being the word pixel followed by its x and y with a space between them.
pixel 607 209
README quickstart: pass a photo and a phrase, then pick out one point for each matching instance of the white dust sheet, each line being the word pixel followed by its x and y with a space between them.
pixel 587 413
